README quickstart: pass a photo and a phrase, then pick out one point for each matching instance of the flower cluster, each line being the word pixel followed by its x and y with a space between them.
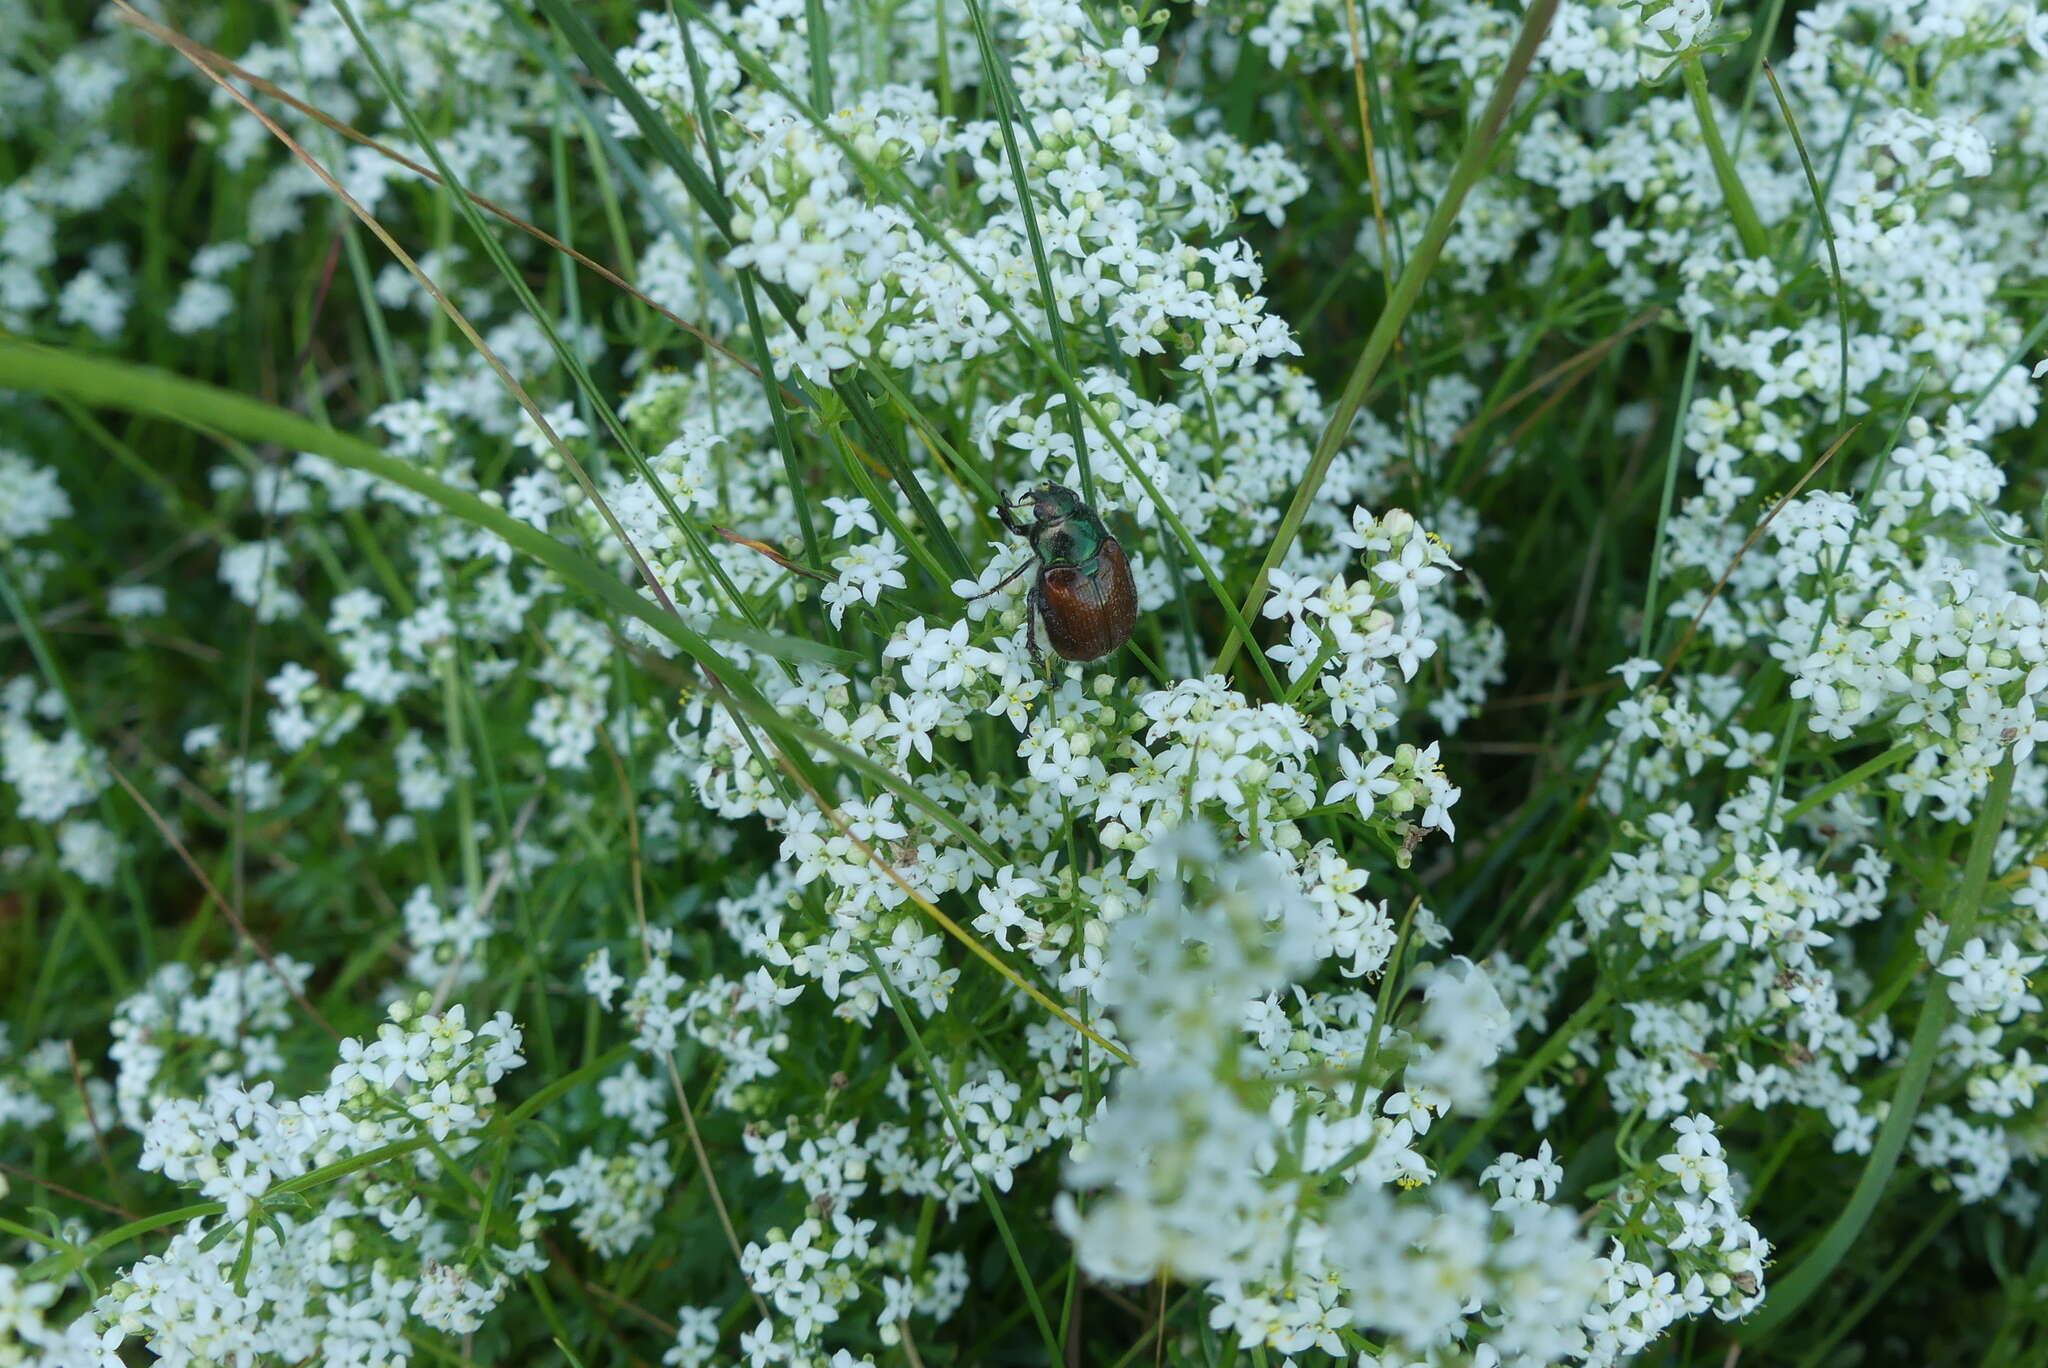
pixel 1214 1159
pixel 267 1274
pixel 1372 953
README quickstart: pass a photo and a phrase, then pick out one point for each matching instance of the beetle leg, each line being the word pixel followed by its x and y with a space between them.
pixel 1009 519
pixel 1004 582
pixel 1032 608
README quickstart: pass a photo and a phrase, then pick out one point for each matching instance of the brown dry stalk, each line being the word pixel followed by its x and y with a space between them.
pixel 233 915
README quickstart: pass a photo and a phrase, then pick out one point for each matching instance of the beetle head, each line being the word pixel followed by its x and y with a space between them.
pixel 1051 503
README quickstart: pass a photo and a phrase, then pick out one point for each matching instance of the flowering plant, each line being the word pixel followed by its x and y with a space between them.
pixel 534 821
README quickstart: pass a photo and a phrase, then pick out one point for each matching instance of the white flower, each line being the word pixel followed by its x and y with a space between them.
pixel 1633 671
pixel 1130 57
pixel 1364 781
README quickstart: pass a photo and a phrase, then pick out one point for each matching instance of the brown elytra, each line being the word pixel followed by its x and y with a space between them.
pixel 1088 617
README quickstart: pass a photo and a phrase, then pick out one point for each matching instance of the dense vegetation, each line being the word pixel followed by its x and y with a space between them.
pixel 532 829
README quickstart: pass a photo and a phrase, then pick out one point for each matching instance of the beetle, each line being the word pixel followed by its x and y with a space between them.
pixel 1083 589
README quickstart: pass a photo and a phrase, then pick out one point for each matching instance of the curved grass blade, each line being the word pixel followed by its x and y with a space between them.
pixel 543 319
pixel 143 389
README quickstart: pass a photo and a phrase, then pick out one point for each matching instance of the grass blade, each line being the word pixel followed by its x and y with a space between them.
pixel 142 389
pixel 1793 1290
pixel 1472 162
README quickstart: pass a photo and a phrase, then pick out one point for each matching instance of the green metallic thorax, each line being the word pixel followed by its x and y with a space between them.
pixel 1074 540
pixel 1063 530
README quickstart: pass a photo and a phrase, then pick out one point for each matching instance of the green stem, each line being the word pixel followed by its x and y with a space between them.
pixel 1511 1094
pixel 1905 750
pixel 1827 228
pixel 1671 459
pixel 1748 227
pixel 142 389
pixel 940 1085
